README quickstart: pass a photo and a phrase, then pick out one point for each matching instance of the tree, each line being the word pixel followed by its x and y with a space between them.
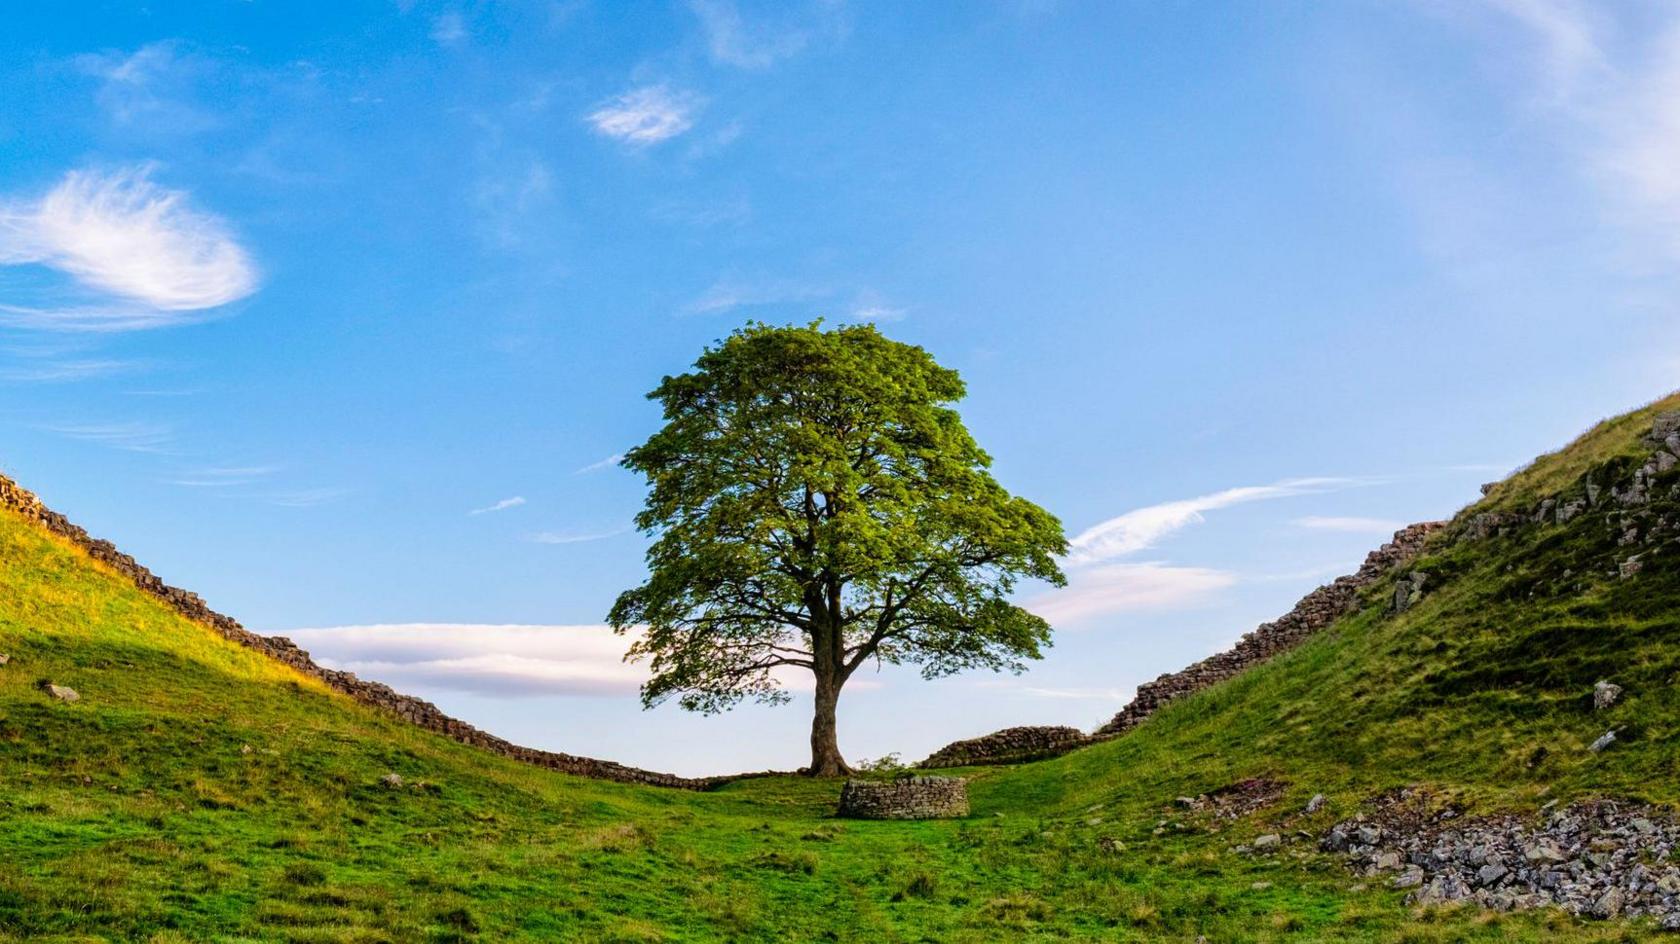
pixel 816 503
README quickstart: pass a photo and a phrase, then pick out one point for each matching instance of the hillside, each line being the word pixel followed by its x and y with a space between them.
pixel 200 789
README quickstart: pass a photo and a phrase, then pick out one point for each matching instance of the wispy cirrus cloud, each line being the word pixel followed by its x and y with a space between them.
pixel 495 660
pixel 1142 528
pixel 1126 588
pixel 139 255
pixel 222 476
pixel 646 115
pixel 729 293
pixel 502 505
pixel 759 43
pixel 1099 584
pixel 151 90
pixel 1609 75
pixel 1349 524
pixel 448 29
pixel 136 436
pixel 606 463
pixel 69 371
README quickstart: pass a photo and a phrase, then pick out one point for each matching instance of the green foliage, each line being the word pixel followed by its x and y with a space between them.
pixel 818 503
pixel 135 815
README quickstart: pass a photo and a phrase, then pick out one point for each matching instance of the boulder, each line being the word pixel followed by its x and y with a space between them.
pixel 63 693
pixel 1604 740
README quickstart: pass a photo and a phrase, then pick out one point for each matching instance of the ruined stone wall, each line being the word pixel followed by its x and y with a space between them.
pixel 1009 746
pixel 905 798
pixel 413 710
pixel 1316 611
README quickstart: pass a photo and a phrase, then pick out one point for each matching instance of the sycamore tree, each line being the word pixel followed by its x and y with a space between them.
pixel 816 504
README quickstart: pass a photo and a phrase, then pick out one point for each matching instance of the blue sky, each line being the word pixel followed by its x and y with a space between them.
pixel 335 313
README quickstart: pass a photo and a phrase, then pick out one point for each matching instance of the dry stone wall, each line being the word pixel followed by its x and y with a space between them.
pixel 1009 746
pixel 905 798
pixel 413 710
pixel 1316 611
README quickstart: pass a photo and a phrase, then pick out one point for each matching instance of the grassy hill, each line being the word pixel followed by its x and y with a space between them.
pixel 200 791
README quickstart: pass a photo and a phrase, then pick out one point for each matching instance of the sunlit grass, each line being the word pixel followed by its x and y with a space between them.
pixel 138 813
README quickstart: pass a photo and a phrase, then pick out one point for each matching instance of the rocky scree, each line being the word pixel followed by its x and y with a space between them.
pixel 1599 859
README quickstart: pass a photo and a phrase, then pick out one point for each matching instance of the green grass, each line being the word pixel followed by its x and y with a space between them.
pixel 137 814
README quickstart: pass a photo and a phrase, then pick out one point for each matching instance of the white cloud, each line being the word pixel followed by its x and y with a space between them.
pixel 731 40
pixel 1121 588
pixel 575 537
pixel 1350 525
pixel 70 370
pixel 1016 687
pixel 734 40
pixel 449 29
pixel 877 313
pixel 606 463
pixel 131 437
pixel 646 115
pixel 502 505
pixel 1144 527
pixel 729 293
pixel 222 476
pixel 498 660
pixel 1615 85
pixel 150 258
pixel 151 91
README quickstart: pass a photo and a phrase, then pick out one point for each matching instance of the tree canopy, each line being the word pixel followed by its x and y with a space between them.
pixel 817 504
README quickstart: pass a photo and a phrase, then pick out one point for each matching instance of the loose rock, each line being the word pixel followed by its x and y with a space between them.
pixel 1600 859
pixel 1605 694
pixel 63 693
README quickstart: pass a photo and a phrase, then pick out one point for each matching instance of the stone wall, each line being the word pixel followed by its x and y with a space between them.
pixel 1009 746
pixel 905 798
pixel 1316 611
pixel 407 707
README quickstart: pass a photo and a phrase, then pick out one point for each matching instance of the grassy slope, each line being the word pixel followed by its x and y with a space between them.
pixel 135 815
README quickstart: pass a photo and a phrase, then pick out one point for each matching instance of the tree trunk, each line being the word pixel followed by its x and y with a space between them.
pixel 825 743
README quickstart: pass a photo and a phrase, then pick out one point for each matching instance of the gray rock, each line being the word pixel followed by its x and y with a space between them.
pixel 1631 566
pixel 1609 905
pixel 1267 842
pixel 1665 462
pixel 1670 921
pixel 1605 694
pixel 63 693
pixel 392 780
pixel 1316 803
pixel 1387 861
pixel 1412 877
pixel 1491 873
pixel 1604 740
